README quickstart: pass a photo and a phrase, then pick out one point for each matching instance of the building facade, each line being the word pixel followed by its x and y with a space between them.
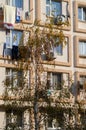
pixel 16 18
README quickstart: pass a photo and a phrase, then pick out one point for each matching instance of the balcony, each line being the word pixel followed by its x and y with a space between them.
pixel 10 16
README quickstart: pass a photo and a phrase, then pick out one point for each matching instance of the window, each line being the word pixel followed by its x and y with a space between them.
pixel 54 119
pixel 53 8
pixel 16 37
pixel 16 3
pixel 82 13
pixel 17 78
pixel 13 38
pixel 83 82
pixel 82 48
pixel 52 123
pixel 14 77
pixel 15 117
pixel 54 80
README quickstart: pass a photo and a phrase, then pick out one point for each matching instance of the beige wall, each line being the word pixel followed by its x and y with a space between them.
pixel 2 2
pixel 2 120
pixel 2 40
pixel 2 78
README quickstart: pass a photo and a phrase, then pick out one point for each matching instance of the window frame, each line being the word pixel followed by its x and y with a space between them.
pixel 82 13
pixel 59 49
pixel 12 74
pixel 82 82
pixel 9 37
pixel 15 118
pixel 49 5
pixel 51 78
pixel 10 2
pixel 82 48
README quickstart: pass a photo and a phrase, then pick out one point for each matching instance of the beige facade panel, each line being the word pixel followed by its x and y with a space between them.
pixel 66 58
pixel 41 12
pixel 79 19
pixel 2 41
pixel 79 54
pixel 2 78
pixel 3 120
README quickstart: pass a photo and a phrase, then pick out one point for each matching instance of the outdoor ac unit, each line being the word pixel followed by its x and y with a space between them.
pixel 43 56
pixel 51 56
pixel 59 19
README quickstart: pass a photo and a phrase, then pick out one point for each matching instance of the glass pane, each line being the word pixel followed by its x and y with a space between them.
pixel 16 37
pixel 84 13
pixel 80 13
pixel 48 10
pixel 47 1
pixel 20 79
pixel 58 49
pixel 57 80
pixel 55 8
pixel 17 3
pixel 82 48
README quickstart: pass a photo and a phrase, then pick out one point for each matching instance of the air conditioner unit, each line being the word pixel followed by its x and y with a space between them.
pixel 59 19
pixel 48 57
pixel 43 57
pixel 51 56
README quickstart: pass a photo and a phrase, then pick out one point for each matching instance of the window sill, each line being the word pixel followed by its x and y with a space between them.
pixel 5 58
pixel 27 21
pixel 58 54
pixel 83 21
pixel 82 56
